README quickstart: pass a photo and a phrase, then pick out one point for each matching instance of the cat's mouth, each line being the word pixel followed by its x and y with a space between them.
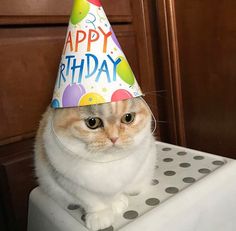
pixel 108 153
pixel 103 148
pixel 109 147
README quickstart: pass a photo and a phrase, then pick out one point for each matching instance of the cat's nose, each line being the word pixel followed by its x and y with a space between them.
pixel 113 139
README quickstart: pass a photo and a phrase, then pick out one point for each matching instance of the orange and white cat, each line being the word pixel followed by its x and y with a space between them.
pixel 95 156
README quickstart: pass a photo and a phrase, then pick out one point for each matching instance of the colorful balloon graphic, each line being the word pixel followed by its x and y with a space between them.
pixel 91 98
pixel 55 103
pixel 113 36
pixel 120 94
pixel 80 11
pixel 125 72
pixel 72 95
pixel 95 2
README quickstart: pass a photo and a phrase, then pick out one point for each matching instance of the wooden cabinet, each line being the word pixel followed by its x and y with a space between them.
pixel 32 36
pixel 198 65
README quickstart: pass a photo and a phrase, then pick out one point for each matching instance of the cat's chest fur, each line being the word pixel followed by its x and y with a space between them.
pixel 106 178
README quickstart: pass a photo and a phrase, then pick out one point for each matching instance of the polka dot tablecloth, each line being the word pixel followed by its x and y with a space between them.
pixel 176 169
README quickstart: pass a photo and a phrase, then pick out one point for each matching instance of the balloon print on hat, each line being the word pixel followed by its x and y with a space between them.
pixel 72 95
pixel 125 72
pixel 55 103
pixel 80 11
pixel 120 94
pixel 91 98
pixel 95 2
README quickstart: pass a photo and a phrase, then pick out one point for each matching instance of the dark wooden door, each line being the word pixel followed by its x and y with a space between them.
pixel 198 63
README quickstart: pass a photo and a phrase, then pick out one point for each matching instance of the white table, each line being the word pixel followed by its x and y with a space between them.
pixel 192 191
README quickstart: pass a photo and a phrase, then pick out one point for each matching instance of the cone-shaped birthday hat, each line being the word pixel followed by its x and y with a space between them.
pixel 93 67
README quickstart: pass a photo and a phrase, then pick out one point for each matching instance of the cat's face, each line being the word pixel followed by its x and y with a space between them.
pixel 105 127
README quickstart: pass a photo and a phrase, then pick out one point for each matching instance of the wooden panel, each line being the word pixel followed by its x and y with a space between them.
pixel 28 65
pixel 16 181
pixel 207 46
pixel 169 73
pixel 198 56
pixel 47 8
pixel 118 10
pixel 142 17
pixel 44 11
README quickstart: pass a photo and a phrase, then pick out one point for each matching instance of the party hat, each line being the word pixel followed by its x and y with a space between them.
pixel 93 68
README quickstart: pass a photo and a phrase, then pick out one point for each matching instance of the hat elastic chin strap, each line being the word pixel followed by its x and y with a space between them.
pixel 153 117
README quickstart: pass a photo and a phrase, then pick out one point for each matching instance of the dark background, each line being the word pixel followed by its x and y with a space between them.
pixel 183 53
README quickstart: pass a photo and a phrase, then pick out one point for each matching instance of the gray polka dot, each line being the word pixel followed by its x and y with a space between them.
pixel 107 229
pixel 156 166
pixel 152 201
pixel 218 162
pixel 166 149
pixel 198 157
pixel 181 153
pixel 83 217
pixel 130 215
pixel 155 182
pixel 169 173
pixel 189 180
pixel 204 170
pixel 172 190
pixel 73 207
pixel 168 160
pixel 185 165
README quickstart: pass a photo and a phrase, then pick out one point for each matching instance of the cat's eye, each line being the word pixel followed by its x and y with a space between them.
pixel 128 118
pixel 93 122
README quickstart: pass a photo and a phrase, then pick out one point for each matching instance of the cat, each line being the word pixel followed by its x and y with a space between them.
pixel 96 156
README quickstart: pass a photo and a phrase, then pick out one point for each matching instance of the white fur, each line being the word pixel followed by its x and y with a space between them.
pixel 98 184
